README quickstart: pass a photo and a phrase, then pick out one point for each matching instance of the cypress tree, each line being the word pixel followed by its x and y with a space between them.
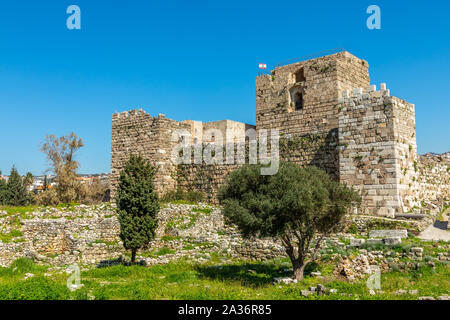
pixel 137 204
pixel 16 191
pixel 2 190
pixel 45 186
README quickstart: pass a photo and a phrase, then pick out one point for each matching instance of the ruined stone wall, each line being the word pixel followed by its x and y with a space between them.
pixel 84 234
pixel 90 234
pixel 156 138
pixel 204 178
pixel 139 133
pixel 433 182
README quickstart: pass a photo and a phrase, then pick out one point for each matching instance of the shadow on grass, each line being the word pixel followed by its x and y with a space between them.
pixel 249 274
pixel 443 225
pixel 119 261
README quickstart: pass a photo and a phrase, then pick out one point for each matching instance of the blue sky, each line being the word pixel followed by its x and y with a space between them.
pixel 197 60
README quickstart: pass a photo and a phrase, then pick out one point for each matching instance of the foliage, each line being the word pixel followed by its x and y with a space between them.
pixel 2 189
pixel 47 197
pixel 14 192
pixel 28 179
pixel 60 154
pixel 137 204
pixel 183 196
pixel 206 211
pixel 93 192
pixel 294 205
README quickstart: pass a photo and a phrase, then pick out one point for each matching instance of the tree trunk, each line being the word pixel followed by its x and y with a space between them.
pixel 299 268
pixel 133 256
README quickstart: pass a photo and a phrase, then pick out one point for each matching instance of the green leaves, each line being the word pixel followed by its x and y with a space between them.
pixel 294 205
pixel 137 203
pixel 295 199
pixel 14 192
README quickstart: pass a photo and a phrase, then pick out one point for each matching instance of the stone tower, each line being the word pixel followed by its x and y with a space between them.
pixel 301 100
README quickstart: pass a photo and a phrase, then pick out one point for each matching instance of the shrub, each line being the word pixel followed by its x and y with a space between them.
pixel 48 197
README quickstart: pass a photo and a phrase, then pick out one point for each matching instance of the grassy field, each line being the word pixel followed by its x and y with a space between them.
pixel 183 280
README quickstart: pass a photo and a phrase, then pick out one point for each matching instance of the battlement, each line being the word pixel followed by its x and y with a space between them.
pixel 134 113
pixel 365 93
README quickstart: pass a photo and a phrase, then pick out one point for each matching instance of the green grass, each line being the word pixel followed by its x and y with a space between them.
pixel 8 237
pixel 206 211
pixel 108 243
pixel 184 280
pixel 11 210
pixel 157 253
pixel 18 210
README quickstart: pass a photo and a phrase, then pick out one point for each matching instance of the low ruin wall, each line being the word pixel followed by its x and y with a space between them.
pixel 89 235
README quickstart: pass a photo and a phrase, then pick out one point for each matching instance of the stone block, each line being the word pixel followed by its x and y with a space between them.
pixel 357 242
pixel 392 241
pixel 374 241
pixel 371 88
pixel 388 234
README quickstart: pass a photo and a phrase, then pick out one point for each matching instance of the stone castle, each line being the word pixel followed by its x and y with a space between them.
pixel 328 115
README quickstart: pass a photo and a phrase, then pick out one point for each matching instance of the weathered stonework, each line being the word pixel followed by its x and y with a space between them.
pixel 88 235
pixel 378 154
pixel 155 138
pixel 328 116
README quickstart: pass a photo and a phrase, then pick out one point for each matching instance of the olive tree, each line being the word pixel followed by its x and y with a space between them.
pixel 299 206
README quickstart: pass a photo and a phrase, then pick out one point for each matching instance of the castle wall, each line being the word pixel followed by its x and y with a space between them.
pixel 406 150
pixel 139 133
pixel 206 179
pixel 431 185
pixel 230 131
